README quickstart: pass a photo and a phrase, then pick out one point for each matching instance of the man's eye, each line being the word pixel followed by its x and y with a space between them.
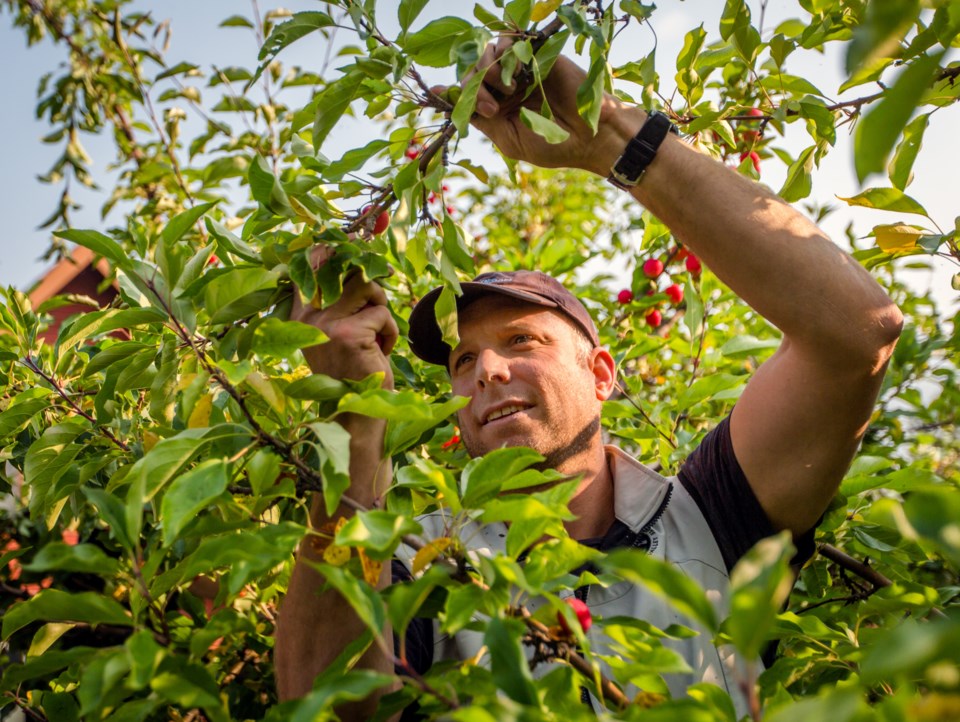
pixel 522 338
pixel 462 360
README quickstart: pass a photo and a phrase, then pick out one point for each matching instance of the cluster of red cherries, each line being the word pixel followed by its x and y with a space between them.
pixel 653 269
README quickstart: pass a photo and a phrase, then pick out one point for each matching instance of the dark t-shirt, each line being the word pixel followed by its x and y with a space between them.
pixel 713 477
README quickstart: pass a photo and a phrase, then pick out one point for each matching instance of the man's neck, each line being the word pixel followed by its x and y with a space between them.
pixel 593 503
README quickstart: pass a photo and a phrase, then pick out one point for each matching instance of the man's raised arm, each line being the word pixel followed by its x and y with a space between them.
pixel 314 626
pixel 798 423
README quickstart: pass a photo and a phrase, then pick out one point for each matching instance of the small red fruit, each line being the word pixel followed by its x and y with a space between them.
pixel 752 155
pixel 412 152
pixel 755 113
pixel 452 441
pixel 212 261
pixel 380 225
pixel 653 267
pixel 625 296
pixel 451 210
pixel 693 264
pixel 70 537
pixel 583 615
pixel 654 318
pixel 674 293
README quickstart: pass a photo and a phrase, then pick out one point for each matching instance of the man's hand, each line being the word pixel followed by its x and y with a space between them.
pixel 498 117
pixel 361 330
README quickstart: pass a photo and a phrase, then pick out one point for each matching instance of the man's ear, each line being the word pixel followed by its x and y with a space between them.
pixel 604 370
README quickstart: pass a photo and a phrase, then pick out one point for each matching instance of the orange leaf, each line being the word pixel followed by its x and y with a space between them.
pixel 371 568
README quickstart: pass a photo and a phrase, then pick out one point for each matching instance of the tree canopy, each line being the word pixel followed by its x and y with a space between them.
pixel 159 454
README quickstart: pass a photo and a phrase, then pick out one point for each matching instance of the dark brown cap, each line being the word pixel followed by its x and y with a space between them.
pixel 426 340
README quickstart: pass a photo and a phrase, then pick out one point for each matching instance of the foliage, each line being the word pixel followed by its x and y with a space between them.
pixel 158 455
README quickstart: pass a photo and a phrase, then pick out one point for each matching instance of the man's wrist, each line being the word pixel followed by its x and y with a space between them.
pixel 617 128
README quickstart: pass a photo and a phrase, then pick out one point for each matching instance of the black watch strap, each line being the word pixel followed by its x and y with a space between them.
pixel 641 150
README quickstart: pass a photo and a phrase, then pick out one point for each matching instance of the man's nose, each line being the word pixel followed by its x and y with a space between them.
pixel 491 367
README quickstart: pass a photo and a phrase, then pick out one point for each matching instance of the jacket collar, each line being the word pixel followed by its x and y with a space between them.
pixel 638 492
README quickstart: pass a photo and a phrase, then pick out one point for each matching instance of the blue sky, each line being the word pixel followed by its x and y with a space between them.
pixel 25 202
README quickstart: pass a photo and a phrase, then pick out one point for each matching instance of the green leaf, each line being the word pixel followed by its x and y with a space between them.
pixel 112 511
pixel 508 664
pixel 181 223
pixel 229 243
pixel 266 188
pixel 544 127
pixel 24 407
pixel 332 103
pixel 189 494
pixel 432 44
pixel 263 469
pixel 87 558
pixel 693 317
pixel 52 605
pixel 886 199
pixel 333 447
pixel 319 704
pixel 408 12
pixel 98 243
pixel 284 34
pixel 361 596
pixel 144 656
pixel 485 476
pixel 759 583
pixel 747 345
pixel 317 387
pixel 190 685
pixel 590 92
pixel 88 326
pixel 239 293
pixel 900 169
pixel 798 183
pixel 377 531
pixel 49 458
pixel 466 103
pixel 666 581
pixel 281 339
pixel 878 130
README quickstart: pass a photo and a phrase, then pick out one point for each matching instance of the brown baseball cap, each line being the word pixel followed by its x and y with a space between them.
pixel 426 339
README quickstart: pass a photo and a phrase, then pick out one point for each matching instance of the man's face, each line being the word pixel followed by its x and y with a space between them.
pixel 528 380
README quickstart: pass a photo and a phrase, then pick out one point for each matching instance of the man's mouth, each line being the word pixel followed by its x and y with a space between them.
pixel 504 411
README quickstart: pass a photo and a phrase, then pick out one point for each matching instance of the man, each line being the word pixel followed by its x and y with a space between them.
pixel 529 359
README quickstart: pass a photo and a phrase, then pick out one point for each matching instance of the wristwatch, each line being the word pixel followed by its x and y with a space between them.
pixel 641 150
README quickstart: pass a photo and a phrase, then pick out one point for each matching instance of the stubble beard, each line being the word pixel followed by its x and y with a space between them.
pixel 557 455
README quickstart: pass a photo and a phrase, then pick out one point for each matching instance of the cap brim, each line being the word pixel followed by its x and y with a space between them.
pixel 426 339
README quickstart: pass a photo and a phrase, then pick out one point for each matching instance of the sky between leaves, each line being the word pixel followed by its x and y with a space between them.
pixel 25 202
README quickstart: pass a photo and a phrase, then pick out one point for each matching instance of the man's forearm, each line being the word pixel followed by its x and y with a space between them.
pixel 773 257
pixel 315 624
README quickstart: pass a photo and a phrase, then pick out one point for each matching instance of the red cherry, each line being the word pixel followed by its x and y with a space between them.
pixel 653 267
pixel 212 261
pixel 452 441
pixel 755 113
pixel 432 198
pixel 674 293
pixel 654 318
pixel 380 225
pixel 70 537
pixel 583 615
pixel 451 210
pixel 693 264
pixel 752 155
pixel 445 188
pixel 412 152
pixel 625 296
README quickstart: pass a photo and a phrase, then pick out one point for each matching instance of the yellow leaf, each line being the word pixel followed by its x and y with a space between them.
pixel 336 555
pixel 185 381
pixel 150 440
pixel 430 552
pixel 264 386
pixel 200 416
pixel 371 568
pixel 543 8
pixel 897 237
